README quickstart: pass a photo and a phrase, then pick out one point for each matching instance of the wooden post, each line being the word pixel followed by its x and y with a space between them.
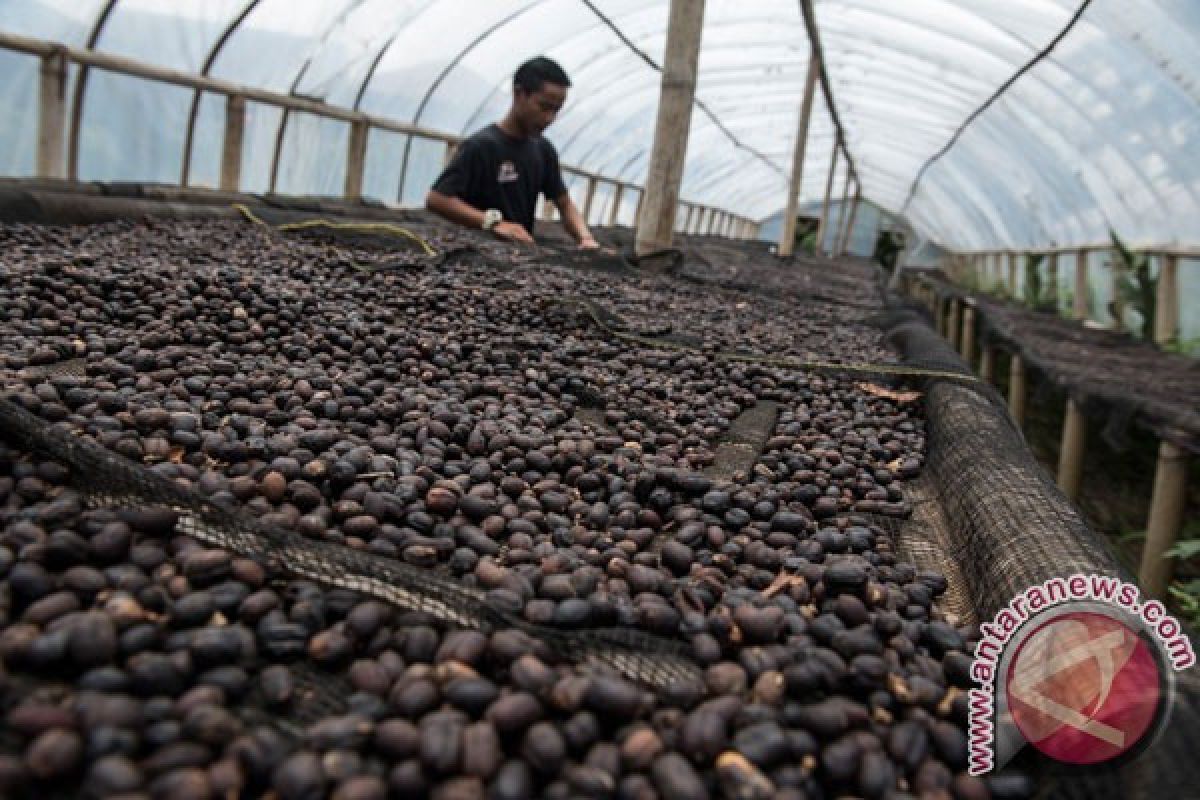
pixel 1012 275
pixel 52 116
pixel 954 323
pixel 1118 303
pixel 637 209
pixel 967 339
pixel 939 315
pixel 1165 520
pixel 824 223
pixel 845 243
pixel 618 194
pixel 987 364
pixel 1166 306
pixel 684 27
pixel 1080 308
pixel 835 249
pixel 1052 278
pixel 231 148
pixel 787 237
pixel 356 156
pixel 1070 454
pixel 588 198
pixel 1016 389
pixel 448 156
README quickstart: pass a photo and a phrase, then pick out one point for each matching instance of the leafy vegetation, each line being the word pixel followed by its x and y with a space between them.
pixel 1136 288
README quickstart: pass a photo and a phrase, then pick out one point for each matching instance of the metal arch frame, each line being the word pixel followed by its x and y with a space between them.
pixel 387 45
pixel 209 60
pixel 348 9
pixel 923 58
pixel 80 93
pixel 454 62
pixel 619 47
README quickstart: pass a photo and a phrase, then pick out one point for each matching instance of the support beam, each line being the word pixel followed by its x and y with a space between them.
pixel 1166 306
pixel 1118 302
pixel 1052 279
pixel 52 116
pixel 987 365
pixel 356 156
pixel 1070 453
pixel 1080 304
pixel 618 195
pixel 231 147
pixel 588 198
pixel 684 27
pixel 689 218
pixel 637 210
pixel 787 237
pixel 835 247
pixel 824 223
pixel 845 245
pixel 1012 275
pixel 954 324
pixel 967 339
pixel 1165 520
pixel 1016 389
pixel 939 315
pixel 448 155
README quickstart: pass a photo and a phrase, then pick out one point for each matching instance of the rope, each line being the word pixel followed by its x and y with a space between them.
pixel 356 227
pixel 899 370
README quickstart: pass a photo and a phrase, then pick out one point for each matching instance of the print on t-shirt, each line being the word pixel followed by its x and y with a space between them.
pixel 507 173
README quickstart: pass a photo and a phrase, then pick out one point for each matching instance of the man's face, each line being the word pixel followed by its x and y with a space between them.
pixel 537 110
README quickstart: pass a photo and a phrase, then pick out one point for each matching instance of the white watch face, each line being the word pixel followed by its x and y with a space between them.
pixel 491 218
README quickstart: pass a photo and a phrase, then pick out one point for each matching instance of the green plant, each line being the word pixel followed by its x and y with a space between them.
pixel 1135 286
pixel 1187 597
pixel 1033 293
pixel 1183 347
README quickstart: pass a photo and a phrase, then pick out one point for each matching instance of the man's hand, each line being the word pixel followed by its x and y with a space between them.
pixel 588 243
pixel 512 232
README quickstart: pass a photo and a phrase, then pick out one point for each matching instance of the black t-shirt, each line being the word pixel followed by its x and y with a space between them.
pixel 494 170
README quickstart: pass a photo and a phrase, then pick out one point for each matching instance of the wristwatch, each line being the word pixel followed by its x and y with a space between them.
pixel 491 218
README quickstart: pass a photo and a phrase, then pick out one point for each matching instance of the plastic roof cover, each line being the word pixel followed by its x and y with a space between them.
pixel 1097 135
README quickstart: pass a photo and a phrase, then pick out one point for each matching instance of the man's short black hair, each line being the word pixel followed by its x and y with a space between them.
pixel 536 71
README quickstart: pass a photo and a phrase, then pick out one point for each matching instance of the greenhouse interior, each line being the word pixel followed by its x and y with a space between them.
pixel 681 399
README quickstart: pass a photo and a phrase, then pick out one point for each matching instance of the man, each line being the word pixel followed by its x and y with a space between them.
pixel 493 181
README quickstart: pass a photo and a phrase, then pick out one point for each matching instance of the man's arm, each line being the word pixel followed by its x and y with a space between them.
pixel 458 210
pixel 573 221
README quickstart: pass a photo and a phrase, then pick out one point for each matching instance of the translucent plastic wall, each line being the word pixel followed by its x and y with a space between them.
pixel 1098 135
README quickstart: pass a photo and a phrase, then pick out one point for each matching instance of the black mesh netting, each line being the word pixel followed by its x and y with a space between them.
pixel 1011 528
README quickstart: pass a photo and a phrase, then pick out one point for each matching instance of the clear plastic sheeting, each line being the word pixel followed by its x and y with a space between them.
pixel 1098 135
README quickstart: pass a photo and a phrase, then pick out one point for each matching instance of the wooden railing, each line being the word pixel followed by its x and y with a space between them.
pixel 58 135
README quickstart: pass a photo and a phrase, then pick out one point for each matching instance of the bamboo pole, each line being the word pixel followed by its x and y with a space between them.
pixel 52 116
pixel 1071 453
pixel 824 223
pixel 1016 389
pixel 356 155
pixel 618 194
pixel 1080 309
pixel 967 339
pixel 1165 520
pixel 845 243
pixel 588 199
pixel 835 247
pixel 787 237
pixel 987 364
pixel 1052 278
pixel 231 147
pixel 684 28
pixel 1118 302
pixel 1166 306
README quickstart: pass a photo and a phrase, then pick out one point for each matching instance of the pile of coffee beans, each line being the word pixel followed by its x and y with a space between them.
pixel 455 418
